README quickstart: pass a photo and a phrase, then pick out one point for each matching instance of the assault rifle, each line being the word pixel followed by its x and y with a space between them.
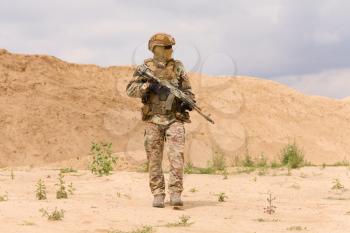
pixel 145 72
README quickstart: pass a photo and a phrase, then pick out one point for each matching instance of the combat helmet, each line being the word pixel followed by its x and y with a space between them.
pixel 161 39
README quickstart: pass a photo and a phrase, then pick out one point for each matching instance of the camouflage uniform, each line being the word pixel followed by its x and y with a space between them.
pixel 164 122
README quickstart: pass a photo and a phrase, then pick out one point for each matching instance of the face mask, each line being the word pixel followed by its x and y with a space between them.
pixel 163 53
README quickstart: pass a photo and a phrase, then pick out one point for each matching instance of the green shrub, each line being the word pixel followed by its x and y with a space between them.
pixel 337 184
pixel 248 161
pixel 144 167
pixel 61 192
pixel 40 190
pixel 55 215
pixel 221 197
pixel 183 222
pixel 292 156
pixel 71 188
pixel 344 163
pixel 67 170
pixel 102 159
pixel 275 164
pixel 190 169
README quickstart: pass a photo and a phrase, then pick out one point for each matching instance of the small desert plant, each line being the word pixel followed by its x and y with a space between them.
pixel 27 223
pixel 225 174
pixel 67 170
pixel 144 167
pixel 193 190
pixel 337 184
pixel 275 164
pixel 218 161
pixel 55 215
pixel 262 171
pixel 61 192
pixel 119 195
pixel 295 186
pixel 4 197
pixel 71 189
pixel 12 175
pixel 338 198
pixel 190 169
pixel 221 197
pixel 296 228
pixel 183 222
pixel 267 220
pixel 235 161
pixel 342 163
pixel 40 190
pixel 246 170
pixel 270 208
pixel 102 159
pixel 143 229
pixel 292 156
pixel 261 161
pixel 205 170
pixel 248 161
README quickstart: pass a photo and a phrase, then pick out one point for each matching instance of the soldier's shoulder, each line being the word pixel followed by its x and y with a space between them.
pixel 179 66
pixel 148 61
pixel 178 63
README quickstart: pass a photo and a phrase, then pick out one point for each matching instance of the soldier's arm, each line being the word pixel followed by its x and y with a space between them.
pixel 136 87
pixel 185 84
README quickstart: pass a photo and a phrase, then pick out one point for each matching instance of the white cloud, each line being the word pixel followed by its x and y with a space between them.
pixel 331 83
pixel 267 38
pixel 326 37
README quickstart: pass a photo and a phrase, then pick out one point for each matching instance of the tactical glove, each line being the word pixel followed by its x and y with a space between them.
pixel 185 106
pixel 157 89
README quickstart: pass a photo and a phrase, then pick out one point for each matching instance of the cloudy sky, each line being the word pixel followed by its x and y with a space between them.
pixel 305 44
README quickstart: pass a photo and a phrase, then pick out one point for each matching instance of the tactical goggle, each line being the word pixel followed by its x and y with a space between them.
pixel 168 47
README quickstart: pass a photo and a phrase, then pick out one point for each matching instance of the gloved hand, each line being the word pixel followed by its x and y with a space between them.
pixel 185 106
pixel 158 89
pixel 154 87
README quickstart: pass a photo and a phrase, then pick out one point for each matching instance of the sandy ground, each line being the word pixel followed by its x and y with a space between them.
pixel 122 201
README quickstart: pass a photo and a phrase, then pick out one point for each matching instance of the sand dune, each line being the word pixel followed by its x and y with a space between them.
pixel 52 111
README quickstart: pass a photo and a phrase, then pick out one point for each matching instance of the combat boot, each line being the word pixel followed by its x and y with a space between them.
pixel 158 200
pixel 175 199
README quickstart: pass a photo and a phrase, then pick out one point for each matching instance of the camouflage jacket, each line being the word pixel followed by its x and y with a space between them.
pixel 159 108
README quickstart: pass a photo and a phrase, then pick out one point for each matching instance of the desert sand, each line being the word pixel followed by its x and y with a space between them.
pixel 52 111
pixel 304 200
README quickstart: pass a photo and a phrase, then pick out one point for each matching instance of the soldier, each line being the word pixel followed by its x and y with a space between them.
pixel 164 115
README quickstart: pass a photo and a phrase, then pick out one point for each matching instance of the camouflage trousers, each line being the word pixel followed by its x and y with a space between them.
pixel 155 136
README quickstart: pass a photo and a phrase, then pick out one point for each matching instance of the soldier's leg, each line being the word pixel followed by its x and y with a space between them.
pixel 154 144
pixel 175 136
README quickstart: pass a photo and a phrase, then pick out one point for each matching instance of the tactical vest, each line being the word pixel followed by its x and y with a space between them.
pixel 163 103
